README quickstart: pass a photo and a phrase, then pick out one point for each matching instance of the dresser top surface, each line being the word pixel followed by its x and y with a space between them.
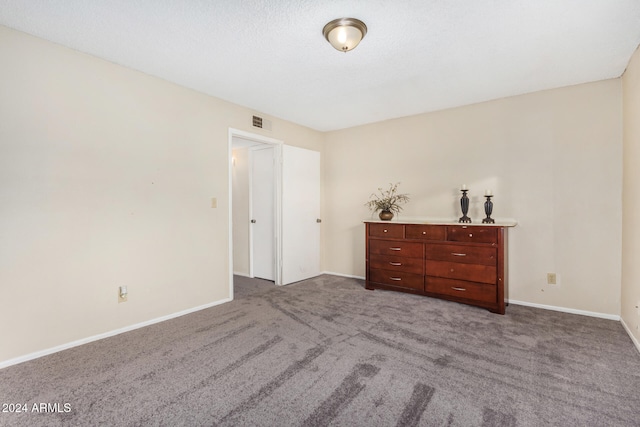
pixel 439 221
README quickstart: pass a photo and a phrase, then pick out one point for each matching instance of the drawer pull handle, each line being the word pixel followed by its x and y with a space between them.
pixel 424 232
pixel 395 263
pixel 457 254
pixel 396 249
pixel 458 289
pixel 397 279
pixel 385 230
pixel 470 234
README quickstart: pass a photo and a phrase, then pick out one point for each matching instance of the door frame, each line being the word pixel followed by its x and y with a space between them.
pixel 277 145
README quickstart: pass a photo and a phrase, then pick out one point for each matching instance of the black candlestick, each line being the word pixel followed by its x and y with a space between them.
pixel 488 208
pixel 464 204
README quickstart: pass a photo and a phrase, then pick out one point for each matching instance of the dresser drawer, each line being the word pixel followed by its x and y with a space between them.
pixel 400 279
pixel 396 248
pixel 395 263
pixel 391 231
pixel 473 291
pixel 426 232
pixel 465 233
pixel 454 270
pixel 465 254
pixel 454 261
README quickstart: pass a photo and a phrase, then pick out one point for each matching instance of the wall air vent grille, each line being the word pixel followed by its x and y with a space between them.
pixel 260 123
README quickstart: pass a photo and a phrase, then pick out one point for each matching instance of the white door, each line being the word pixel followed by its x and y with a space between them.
pixel 263 250
pixel 300 214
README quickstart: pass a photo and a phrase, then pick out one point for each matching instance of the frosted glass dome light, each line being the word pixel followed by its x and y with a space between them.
pixel 344 34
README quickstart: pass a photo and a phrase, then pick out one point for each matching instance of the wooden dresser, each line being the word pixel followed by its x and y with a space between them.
pixel 457 262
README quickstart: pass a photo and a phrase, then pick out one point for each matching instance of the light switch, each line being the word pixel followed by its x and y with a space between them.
pixel 214 202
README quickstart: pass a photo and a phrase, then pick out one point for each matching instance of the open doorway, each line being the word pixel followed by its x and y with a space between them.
pixel 255 191
pixel 293 199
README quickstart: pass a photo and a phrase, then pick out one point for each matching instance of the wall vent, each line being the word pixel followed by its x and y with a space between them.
pixel 260 123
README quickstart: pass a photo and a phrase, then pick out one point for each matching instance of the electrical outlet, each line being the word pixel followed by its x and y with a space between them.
pixel 551 278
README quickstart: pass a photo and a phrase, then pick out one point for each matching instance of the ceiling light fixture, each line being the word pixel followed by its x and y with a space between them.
pixel 344 33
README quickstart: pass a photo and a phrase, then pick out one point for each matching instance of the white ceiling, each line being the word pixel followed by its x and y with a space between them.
pixel 418 56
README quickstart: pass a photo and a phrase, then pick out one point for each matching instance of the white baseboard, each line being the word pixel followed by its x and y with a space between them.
pixel 633 338
pixel 343 275
pixel 528 304
pixel 87 340
pixel 567 310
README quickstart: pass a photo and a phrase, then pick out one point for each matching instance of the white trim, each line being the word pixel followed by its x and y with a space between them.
pixel 633 338
pixel 567 310
pixel 230 210
pixel 87 340
pixel 531 304
pixel 253 136
pixel 350 276
pixel 277 147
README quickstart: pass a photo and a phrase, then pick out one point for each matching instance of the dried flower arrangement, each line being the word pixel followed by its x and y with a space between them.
pixel 387 200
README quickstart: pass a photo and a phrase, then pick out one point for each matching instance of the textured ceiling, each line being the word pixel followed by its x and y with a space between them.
pixel 418 56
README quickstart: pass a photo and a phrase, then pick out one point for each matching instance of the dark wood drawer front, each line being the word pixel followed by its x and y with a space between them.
pixel 427 232
pixel 462 233
pixel 473 291
pixel 454 261
pixel 396 248
pixel 486 255
pixel 391 231
pixel 471 272
pixel 395 263
pixel 398 278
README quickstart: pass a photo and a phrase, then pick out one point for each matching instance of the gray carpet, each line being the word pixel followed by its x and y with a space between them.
pixel 328 352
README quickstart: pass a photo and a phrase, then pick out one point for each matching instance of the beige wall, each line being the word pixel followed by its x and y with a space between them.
pixel 631 198
pixel 553 160
pixel 106 179
pixel 240 211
